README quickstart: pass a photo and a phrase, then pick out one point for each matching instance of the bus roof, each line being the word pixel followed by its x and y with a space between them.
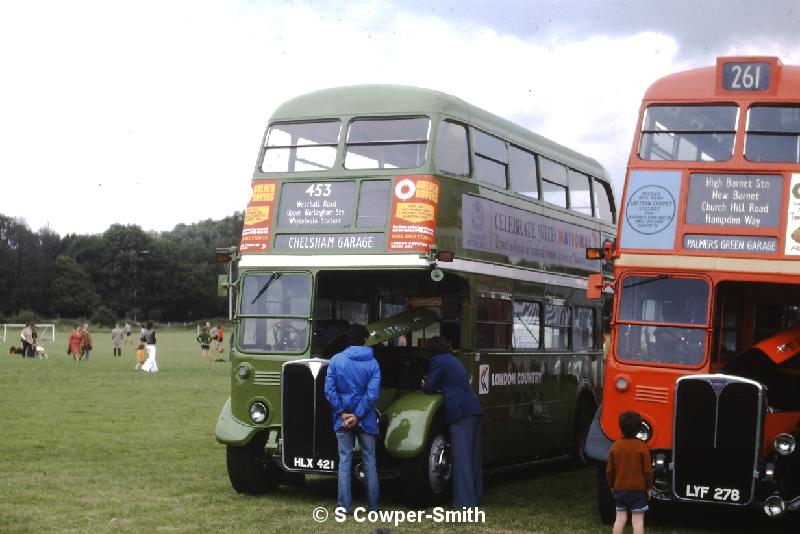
pixel 384 100
pixel 702 84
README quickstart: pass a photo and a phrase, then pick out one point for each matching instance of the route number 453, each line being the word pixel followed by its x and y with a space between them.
pixel 319 190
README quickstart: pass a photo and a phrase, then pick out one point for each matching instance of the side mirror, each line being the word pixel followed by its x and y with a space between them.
pixel 594 289
pixel 222 285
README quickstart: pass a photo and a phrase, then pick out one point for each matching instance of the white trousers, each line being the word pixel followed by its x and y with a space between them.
pixel 150 365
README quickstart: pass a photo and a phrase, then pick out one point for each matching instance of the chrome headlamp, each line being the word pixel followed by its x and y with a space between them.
pixel 645 432
pixel 784 444
pixel 258 412
pixel 774 506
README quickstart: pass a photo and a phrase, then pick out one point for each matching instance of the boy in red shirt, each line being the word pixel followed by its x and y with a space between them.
pixel 630 474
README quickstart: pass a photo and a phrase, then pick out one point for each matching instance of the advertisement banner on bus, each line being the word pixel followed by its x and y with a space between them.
pixel 494 227
pixel 415 200
pixel 650 212
pixel 258 217
pixel 793 218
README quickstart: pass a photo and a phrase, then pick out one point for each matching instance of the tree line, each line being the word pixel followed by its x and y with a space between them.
pixel 124 272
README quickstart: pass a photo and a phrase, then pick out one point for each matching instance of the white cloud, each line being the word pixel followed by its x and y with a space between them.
pixel 151 112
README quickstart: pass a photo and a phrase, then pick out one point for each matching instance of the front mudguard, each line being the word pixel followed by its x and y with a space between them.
pixel 597 443
pixel 231 431
pixel 408 421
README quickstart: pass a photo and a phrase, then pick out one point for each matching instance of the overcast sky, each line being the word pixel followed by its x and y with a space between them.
pixel 151 113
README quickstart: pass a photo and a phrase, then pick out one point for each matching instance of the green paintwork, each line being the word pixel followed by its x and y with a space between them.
pixel 222 285
pixel 384 100
pixel 529 410
pixel 230 431
pixel 409 419
pixel 398 325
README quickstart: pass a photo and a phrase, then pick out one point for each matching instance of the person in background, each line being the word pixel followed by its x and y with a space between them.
pixel 149 339
pixel 116 340
pixel 351 387
pixel 86 349
pixel 75 343
pixel 140 352
pixel 219 339
pixel 26 338
pixel 629 473
pixel 463 415
pixel 204 338
pixel 127 329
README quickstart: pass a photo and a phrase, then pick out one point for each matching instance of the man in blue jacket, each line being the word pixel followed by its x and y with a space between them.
pixel 351 387
pixel 463 415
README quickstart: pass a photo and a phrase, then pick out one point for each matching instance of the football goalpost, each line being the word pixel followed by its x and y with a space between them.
pixel 44 332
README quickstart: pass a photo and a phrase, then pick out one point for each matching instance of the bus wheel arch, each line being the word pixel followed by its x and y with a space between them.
pixel 427 478
pixel 250 469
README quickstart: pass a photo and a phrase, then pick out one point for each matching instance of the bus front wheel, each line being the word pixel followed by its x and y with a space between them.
pixel 605 500
pixel 427 477
pixel 250 470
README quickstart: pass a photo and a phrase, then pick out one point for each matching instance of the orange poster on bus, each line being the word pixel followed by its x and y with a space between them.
pixel 258 217
pixel 415 201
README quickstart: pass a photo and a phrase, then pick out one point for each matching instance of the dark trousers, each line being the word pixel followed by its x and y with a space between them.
pixel 465 435
pixel 27 349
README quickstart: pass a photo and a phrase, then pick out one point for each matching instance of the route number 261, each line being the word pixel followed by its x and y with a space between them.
pixel 746 76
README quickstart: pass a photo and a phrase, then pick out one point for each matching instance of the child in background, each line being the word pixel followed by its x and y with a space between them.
pixel 630 474
pixel 140 355
pixel 204 338
pixel 218 340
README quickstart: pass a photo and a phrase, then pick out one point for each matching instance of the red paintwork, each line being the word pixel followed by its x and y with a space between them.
pixel 655 402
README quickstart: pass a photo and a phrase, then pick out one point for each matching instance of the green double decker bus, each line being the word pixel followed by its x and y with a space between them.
pixel 417 214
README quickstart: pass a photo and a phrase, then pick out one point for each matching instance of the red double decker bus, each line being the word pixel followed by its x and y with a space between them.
pixel 705 338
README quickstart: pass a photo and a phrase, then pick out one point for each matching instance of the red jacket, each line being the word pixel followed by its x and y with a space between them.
pixel 629 466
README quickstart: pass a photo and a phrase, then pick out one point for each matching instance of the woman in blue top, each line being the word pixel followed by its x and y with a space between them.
pixel 463 415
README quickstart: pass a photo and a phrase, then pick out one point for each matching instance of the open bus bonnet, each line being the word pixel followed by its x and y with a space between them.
pixel 773 362
pixel 779 349
pixel 400 324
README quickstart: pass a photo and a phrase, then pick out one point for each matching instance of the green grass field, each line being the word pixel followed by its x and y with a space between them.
pixel 98 447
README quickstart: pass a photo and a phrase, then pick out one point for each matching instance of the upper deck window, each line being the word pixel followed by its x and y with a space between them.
pixel 604 208
pixel 452 150
pixel 773 134
pixel 662 319
pixel 580 199
pixel 387 143
pixel 554 182
pixel 302 146
pixel 688 133
pixel 491 159
pixel 523 172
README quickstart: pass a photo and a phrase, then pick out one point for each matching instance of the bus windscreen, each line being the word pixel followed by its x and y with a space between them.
pixel 663 320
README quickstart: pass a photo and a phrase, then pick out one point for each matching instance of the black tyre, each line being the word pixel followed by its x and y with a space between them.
pixel 427 478
pixel 583 420
pixel 606 506
pixel 250 470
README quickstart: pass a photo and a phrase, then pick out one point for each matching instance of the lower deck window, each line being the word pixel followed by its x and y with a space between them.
pixel 556 327
pixel 493 324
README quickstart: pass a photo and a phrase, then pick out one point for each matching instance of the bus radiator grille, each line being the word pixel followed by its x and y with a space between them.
pixel 718 427
pixel 309 442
